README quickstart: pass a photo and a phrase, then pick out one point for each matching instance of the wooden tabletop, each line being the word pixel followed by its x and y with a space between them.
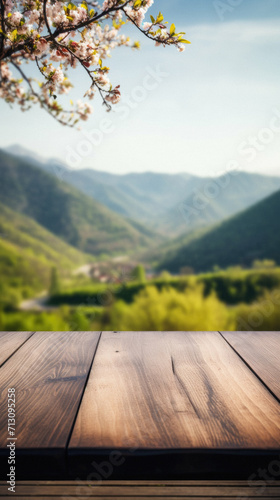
pixel 141 405
pixel 138 490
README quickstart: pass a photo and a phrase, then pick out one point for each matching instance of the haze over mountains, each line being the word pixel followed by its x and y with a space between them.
pixel 180 219
pixel 172 204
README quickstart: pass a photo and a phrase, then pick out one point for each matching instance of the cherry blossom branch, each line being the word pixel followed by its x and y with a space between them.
pixel 42 104
pixel 70 34
pixel 2 12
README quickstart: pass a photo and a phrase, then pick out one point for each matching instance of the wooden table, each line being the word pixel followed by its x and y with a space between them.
pixel 142 405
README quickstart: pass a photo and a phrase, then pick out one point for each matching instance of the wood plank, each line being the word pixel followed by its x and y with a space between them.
pixel 49 373
pixel 176 391
pixel 124 489
pixel 261 350
pixel 141 498
pixel 159 490
pixel 71 482
pixel 10 342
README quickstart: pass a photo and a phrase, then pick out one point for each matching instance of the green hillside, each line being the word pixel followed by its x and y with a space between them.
pixel 66 212
pixel 169 203
pixel 27 253
pixel 251 235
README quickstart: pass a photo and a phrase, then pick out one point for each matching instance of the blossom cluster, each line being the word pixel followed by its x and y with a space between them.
pixel 58 35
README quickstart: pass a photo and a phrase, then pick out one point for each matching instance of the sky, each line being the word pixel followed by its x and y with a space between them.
pixel 212 108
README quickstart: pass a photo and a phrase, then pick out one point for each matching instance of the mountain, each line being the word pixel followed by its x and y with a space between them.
pixel 251 235
pixel 27 253
pixel 168 202
pixel 65 211
pixel 215 199
pixel 171 204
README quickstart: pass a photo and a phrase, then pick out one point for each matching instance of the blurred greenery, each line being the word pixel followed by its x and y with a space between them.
pixel 46 226
pixel 226 300
pixel 231 287
pixel 27 254
pixel 169 309
pixel 54 282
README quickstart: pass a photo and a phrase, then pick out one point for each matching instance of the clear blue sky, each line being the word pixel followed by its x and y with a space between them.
pixel 215 98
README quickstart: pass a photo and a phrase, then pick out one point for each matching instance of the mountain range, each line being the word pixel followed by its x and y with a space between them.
pixel 170 204
pixel 251 235
pixel 177 219
pixel 66 212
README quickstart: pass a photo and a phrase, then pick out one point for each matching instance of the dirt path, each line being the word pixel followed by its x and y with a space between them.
pixel 38 303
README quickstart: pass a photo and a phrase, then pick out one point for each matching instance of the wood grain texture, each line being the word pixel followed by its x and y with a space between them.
pixel 49 373
pixel 261 350
pixel 157 490
pixel 121 490
pixel 10 342
pixel 136 497
pixel 173 390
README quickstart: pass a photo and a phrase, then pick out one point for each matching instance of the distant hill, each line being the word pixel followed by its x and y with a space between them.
pixel 65 211
pixel 215 199
pixel 27 253
pixel 168 203
pixel 251 235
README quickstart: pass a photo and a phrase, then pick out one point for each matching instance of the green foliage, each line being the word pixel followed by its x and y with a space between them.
pixel 170 310
pixel 139 274
pixel 263 315
pixel 43 321
pixel 54 282
pixel 190 303
pixel 264 264
pixel 231 287
pixel 235 286
pixel 62 319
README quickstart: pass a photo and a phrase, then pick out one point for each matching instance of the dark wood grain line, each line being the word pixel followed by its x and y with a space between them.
pixel 82 394
pixel 49 374
pixel 173 390
pixel 254 369
pixel 183 388
pixel 14 344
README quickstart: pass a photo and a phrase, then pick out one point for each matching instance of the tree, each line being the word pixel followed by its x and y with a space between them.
pixel 54 282
pixel 56 35
pixel 139 274
pixel 169 310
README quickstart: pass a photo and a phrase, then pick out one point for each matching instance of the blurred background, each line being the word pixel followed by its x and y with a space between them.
pixel 164 213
